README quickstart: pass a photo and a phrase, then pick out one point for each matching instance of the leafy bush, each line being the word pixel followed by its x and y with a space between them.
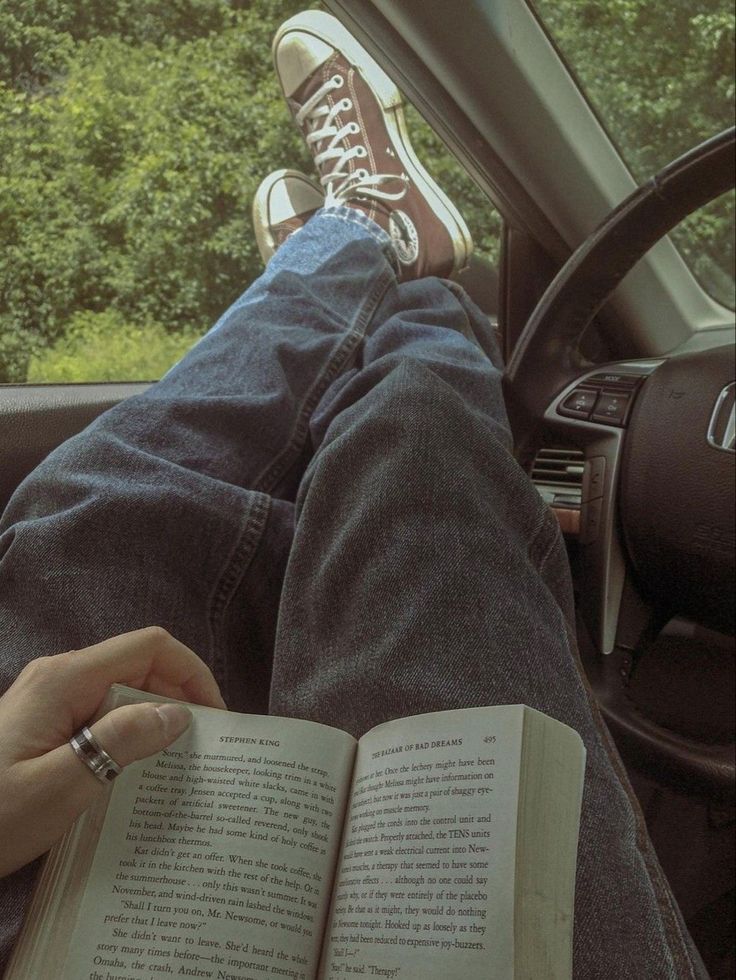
pixel 103 347
pixel 128 179
pixel 662 73
pixel 134 133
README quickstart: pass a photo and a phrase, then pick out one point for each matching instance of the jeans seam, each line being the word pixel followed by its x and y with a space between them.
pixel 233 570
pixel 540 555
pixel 539 552
pixel 541 545
pixel 353 217
pixel 678 930
pixel 669 923
pixel 336 363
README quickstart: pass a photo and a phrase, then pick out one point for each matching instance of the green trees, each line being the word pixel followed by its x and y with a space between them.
pixel 129 163
pixel 133 134
pixel 108 347
pixel 661 73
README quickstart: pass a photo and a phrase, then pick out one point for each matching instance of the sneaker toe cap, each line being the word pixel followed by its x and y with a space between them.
pixel 293 197
pixel 298 55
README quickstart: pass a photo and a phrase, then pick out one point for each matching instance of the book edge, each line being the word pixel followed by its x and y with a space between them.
pixel 537 913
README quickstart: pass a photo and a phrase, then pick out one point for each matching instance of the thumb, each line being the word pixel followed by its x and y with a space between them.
pixel 45 795
pixel 135 731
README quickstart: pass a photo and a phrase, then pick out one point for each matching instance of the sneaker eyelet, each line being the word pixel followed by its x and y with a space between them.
pixel 353 128
pixel 361 173
pixel 337 81
pixel 346 105
pixel 360 151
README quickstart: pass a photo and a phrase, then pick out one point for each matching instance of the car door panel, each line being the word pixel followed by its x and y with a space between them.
pixel 34 419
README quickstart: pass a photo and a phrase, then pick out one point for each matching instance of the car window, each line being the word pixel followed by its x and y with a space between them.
pixel 133 135
pixel 660 74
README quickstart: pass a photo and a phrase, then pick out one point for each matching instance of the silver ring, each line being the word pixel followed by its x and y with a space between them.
pixel 89 750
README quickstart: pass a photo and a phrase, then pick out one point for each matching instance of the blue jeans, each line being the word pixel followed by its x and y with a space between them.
pixel 321 497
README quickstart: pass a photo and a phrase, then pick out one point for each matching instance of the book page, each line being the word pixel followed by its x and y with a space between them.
pixel 216 858
pixel 425 885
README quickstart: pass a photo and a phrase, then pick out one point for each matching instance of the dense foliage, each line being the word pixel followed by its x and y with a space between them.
pixel 661 73
pixel 133 134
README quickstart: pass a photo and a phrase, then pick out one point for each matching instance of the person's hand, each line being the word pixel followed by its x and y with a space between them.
pixel 44 786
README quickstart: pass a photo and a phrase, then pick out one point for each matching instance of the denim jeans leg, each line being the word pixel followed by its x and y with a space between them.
pixel 176 507
pixel 138 518
pixel 426 574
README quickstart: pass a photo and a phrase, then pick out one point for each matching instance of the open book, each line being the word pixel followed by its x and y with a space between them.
pixel 441 845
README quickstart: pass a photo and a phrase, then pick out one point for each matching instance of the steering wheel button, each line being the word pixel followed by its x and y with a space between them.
pixel 579 404
pixel 593 477
pixel 623 380
pixel 612 407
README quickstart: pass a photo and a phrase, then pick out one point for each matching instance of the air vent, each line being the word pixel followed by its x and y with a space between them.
pixel 558 476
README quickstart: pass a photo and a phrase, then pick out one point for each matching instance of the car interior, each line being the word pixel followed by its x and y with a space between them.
pixel 620 384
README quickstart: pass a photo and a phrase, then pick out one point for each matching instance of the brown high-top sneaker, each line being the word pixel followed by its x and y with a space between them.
pixel 283 204
pixel 351 116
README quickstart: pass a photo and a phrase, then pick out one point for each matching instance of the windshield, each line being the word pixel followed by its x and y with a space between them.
pixel 660 74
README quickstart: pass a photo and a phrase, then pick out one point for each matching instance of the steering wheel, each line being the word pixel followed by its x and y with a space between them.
pixel 657 499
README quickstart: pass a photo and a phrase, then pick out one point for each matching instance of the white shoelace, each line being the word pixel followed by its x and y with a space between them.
pixel 326 138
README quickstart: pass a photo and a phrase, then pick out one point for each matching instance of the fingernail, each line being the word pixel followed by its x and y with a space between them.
pixel 175 717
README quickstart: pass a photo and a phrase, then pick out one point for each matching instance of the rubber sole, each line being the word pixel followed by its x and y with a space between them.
pixel 261 208
pixel 328 29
